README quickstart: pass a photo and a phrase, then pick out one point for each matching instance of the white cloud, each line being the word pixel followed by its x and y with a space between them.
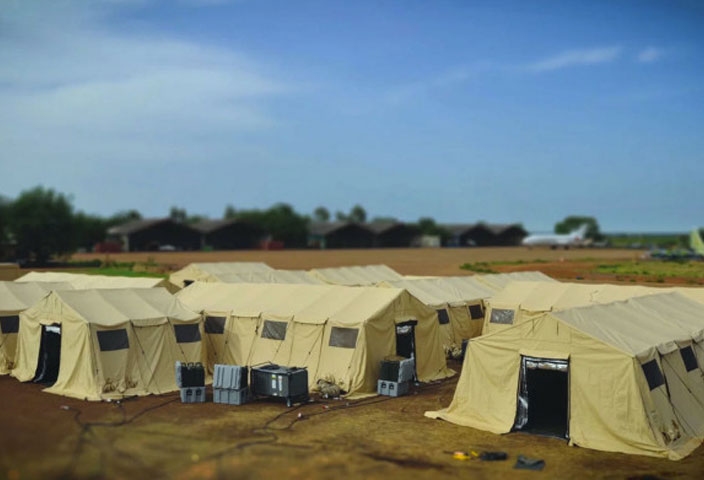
pixel 576 58
pixel 650 55
pixel 82 88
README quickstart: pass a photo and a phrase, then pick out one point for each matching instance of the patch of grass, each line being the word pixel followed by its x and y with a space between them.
pixel 478 267
pixel 659 270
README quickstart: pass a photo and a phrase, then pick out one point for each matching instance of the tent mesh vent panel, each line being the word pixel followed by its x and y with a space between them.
pixel 187 333
pixel 443 317
pixel 502 316
pixel 274 330
pixel 653 374
pixel 215 325
pixel 110 340
pixel 10 324
pixel 476 312
pixel 690 360
pixel 343 337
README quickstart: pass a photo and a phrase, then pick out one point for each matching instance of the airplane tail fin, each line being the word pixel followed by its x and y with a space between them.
pixel 695 242
pixel 581 232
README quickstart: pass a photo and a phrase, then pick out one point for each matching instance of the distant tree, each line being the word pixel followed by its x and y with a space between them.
pixel 230 213
pixel 191 219
pixel 281 222
pixel 428 226
pixel 178 214
pixel 384 219
pixel 573 222
pixel 321 214
pixel 89 229
pixel 123 216
pixel 43 225
pixel 341 216
pixel 358 214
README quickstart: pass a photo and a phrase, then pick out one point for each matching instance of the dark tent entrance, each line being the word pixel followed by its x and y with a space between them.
pixel 406 341
pixel 543 397
pixel 49 355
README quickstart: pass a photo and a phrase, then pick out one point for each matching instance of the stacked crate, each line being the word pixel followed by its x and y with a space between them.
pixel 396 376
pixel 190 378
pixel 230 384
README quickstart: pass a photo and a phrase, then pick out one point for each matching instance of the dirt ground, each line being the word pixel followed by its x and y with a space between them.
pixel 407 261
pixel 46 436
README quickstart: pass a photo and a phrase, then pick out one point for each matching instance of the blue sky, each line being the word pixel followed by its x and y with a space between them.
pixel 460 110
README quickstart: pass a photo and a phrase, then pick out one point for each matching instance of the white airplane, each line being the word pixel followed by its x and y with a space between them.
pixel 564 240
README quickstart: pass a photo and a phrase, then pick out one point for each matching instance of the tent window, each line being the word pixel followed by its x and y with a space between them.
pixel 653 374
pixel 443 317
pixel 187 333
pixel 690 360
pixel 10 324
pixel 502 316
pixel 476 312
pixel 215 325
pixel 274 330
pixel 343 337
pixel 110 340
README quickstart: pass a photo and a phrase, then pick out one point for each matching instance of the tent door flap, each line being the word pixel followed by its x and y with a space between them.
pixel 49 355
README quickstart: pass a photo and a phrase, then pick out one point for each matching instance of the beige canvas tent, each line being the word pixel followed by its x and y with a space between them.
pixel 619 377
pixel 497 281
pixel 459 304
pixel 106 344
pixel 214 271
pixel 339 333
pixel 14 299
pixel 520 301
pixel 273 276
pixel 82 281
pixel 360 275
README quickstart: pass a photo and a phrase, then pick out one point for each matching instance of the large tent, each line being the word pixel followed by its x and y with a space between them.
pixel 272 276
pixel 14 299
pixel 106 344
pixel 360 275
pixel 458 302
pixel 620 377
pixel 520 301
pixel 214 271
pixel 82 281
pixel 497 281
pixel 339 333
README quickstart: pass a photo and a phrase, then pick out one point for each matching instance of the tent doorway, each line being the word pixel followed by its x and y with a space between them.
pixel 49 355
pixel 543 397
pixel 406 339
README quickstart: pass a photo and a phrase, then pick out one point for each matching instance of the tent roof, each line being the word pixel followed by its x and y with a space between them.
pixel 113 307
pixel 137 225
pixel 218 268
pixel 325 228
pixel 307 303
pixel 634 326
pixel 547 296
pixel 497 281
pixel 273 276
pixel 437 291
pixel 693 293
pixel 356 275
pixel 15 297
pixel 83 281
pixel 210 225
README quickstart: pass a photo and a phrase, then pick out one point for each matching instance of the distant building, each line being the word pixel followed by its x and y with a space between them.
pixel 340 235
pixel 484 234
pixel 155 234
pixel 229 234
pixel 393 234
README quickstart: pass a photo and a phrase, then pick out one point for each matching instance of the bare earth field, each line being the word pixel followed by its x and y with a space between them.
pixel 45 436
pixel 50 437
pixel 408 261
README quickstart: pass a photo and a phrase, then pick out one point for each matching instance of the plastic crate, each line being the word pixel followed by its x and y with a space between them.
pixel 230 376
pixel 193 395
pixel 231 396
